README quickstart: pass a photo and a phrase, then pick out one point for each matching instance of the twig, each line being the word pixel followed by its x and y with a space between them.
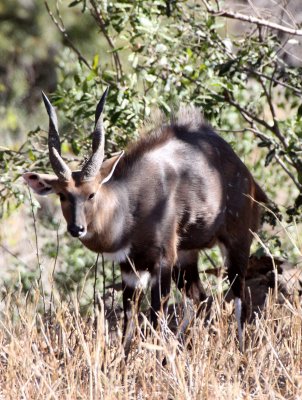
pixel 284 167
pixel 62 29
pixel 53 272
pixel 251 20
pixel 113 281
pixel 252 118
pixel 209 259
pixel 104 276
pixel 95 281
pixel 246 113
pixel 252 5
pixel 100 21
pixel 274 80
pixel 275 126
pixel 270 90
pixel 40 282
pixel 13 255
pixel 298 92
pixel 262 136
pixel 277 158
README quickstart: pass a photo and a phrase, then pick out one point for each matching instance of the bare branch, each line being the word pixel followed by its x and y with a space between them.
pixel 62 29
pixel 247 114
pixel 284 167
pixel 251 20
pixel 53 274
pixel 274 80
pixel 13 255
pixel 40 281
pixel 262 136
pixel 94 284
pixel 100 21
pixel 275 126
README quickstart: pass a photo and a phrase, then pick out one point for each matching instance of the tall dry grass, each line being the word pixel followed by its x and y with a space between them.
pixel 67 356
pixel 61 354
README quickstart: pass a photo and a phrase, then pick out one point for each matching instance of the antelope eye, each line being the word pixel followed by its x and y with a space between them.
pixel 91 196
pixel 62 196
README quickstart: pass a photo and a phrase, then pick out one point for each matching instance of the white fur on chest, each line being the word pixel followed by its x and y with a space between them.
pixel 118 256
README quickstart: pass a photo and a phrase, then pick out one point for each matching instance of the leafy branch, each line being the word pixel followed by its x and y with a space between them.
pixel 97 15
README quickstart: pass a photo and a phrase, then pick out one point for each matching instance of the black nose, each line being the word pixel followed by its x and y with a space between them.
pixel 76 230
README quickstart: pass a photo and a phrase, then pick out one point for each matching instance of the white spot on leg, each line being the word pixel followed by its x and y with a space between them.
pixel 136 279
pixel 238 313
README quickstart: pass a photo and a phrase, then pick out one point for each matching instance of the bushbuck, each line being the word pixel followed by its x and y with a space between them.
pixel 178 189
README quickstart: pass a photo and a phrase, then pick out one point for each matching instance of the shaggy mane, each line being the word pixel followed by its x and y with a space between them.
pixel 158 130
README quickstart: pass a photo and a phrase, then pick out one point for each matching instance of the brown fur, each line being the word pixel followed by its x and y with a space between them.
pixel 179 188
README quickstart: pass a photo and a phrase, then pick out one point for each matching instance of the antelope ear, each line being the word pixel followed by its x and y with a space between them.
pixel 108 167
pixel 41 184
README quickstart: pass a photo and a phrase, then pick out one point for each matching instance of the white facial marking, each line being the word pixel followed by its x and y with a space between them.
pixel 238 311
pixel 136 279
pixel 118 256
pixel 82 235
pixel 88 235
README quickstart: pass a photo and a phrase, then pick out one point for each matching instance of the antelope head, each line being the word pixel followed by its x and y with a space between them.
pixel 79 190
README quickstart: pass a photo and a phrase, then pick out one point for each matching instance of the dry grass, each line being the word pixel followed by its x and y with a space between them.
pixel 67 356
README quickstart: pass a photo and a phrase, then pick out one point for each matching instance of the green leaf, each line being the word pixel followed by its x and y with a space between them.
pixel 74 3
pixel 269 157
pixel 95 62
pixel 75 147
